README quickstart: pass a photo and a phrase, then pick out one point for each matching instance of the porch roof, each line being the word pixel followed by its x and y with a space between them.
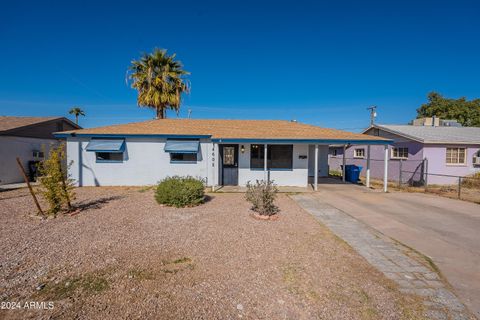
pixel 230 131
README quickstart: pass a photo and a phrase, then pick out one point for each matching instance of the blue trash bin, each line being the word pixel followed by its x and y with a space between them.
pixel 355 174
pixel 348 172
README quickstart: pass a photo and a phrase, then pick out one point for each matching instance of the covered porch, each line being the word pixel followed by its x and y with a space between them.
pixel 291 164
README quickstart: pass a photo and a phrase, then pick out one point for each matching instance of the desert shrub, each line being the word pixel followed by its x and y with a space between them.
pixel 262 196
pixel 472 181
pixel 335 173
pixel 180 192
pixel 55 185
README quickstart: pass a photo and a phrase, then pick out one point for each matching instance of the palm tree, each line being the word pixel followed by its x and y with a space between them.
pixel 159 80
pixel 76 111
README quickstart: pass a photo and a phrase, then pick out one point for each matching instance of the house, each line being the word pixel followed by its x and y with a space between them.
pixel 441 148
pixel 222 152
pixel 27 138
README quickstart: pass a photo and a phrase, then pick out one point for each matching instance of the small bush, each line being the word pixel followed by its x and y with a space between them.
pixel 262 196
pixel 180 192
pixel 55 183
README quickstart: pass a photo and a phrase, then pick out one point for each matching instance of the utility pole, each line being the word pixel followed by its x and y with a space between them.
pixel 189 113
pixel 373 114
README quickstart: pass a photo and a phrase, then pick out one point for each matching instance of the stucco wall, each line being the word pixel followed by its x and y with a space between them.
pixel 22 147
pixel 435 154
pixel 412 164
pixel 146 162
pixel 437 164
pixel 298 176
pixel 322 160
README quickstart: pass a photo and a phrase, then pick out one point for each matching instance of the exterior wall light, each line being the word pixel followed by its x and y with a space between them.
pixel 242 148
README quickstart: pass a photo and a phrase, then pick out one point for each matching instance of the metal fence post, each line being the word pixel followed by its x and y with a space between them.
pixel 400 174
pixel 459 187
pixel 425 164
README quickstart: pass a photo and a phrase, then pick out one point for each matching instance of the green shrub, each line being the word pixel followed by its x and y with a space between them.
pixel 262 196
pixel 180 192
pixel 55 184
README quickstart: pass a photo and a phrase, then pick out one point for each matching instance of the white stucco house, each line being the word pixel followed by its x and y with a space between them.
pixel 29 139
pixel 221 152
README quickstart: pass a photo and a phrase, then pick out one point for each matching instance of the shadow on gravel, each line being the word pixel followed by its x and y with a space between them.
pixel 97 203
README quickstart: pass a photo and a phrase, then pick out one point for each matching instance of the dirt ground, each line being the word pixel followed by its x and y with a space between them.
pixel 126 257
pixel 471 194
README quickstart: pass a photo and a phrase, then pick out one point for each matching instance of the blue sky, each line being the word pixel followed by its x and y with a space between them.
pixel 320 62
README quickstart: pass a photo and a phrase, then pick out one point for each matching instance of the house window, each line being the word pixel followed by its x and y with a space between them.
pixel 278 156
pixel 38 154
pixel 334 152
pixel 400 153
pixel 456 156
pixel 359 153
pixel 376 132
pixel 183 157
pixel 109 156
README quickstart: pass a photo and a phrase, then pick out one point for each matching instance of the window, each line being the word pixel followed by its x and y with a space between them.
pixel 109 156
pixel 37 154
pixel 278 156
pixel 376 132
pixel 334 152
pixel 229 156
pixel 183 157
pixel 455 155
pixel 400 153
pixel 256 156
pixel 359 153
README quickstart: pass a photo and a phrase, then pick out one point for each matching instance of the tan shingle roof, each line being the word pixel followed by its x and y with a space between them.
pixel 9 123
pixel 228 129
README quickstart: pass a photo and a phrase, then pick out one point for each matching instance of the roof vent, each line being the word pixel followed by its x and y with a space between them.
pixel 293 120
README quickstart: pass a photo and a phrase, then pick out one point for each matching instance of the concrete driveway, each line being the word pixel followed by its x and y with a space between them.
pixel 446 230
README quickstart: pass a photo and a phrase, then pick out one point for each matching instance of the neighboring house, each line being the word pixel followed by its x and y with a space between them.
pixel 221 152
pixel 28 138
pixel 449 150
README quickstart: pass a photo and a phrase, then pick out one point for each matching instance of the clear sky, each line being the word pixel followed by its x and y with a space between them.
pixel 320 62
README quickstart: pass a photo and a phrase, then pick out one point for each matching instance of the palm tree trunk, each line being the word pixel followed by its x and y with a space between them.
pixel 76 119
pixel 161 112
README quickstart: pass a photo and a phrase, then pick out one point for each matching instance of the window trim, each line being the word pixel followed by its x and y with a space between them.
pixel 355 156
pixel 398 158
pixel 456 164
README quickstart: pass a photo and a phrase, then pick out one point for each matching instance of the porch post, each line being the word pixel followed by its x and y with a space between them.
pixel 315 174
pixel 385 170
pixel 367 176
pixel 344 161
pixel 265 173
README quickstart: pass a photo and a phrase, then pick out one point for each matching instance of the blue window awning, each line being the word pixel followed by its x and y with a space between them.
pixel 182 146
pixel 106 145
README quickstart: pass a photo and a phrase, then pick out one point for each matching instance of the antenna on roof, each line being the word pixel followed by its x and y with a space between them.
pixel 373 114
pixel 189 113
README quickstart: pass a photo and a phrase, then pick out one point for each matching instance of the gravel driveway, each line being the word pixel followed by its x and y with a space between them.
pixel 126 257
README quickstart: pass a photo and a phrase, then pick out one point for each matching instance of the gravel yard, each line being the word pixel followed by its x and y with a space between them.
pixel 126 257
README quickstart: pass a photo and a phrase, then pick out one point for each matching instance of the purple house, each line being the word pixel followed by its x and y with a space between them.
pixel 443 150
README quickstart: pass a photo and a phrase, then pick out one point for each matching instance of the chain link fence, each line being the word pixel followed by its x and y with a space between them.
pixel 413 175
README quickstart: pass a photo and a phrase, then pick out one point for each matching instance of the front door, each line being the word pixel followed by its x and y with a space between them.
pixel 229 159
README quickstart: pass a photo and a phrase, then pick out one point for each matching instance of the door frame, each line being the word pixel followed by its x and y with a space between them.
pixel 221 166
